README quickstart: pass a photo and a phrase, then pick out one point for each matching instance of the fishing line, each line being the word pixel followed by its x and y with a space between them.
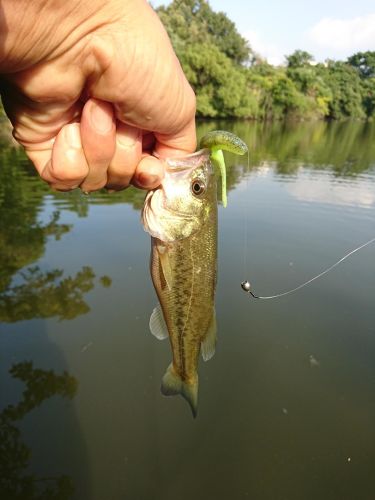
pixel 246 218
pixel 247 287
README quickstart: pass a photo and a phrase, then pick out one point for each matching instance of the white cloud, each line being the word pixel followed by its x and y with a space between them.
pixel 269 51
pixel 345 36
pixel 334 193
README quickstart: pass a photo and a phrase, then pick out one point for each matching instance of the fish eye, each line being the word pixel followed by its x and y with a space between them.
pixel 198 187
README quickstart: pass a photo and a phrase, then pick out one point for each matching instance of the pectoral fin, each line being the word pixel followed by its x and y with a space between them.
pixel 209 341
pixel 165 266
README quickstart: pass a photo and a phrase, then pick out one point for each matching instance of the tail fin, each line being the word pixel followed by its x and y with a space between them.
pixel 172 384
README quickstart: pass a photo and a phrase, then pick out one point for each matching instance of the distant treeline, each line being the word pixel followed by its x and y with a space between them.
pixel 231 81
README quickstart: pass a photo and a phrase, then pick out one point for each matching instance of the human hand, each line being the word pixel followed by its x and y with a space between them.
pixel 93 90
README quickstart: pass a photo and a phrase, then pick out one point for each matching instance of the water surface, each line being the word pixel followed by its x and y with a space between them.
pixel 287 405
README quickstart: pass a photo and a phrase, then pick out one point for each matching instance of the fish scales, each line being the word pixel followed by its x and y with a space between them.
pixel 181 217
pixel 188 305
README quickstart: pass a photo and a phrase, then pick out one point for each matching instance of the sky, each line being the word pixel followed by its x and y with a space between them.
pixel 333 29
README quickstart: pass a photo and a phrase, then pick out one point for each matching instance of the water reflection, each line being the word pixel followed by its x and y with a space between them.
pixel 30 292
pixel 36 293
pixel 15 481
pixel 289 395
pixel 47 294
pixel 347 149
pixel 320 190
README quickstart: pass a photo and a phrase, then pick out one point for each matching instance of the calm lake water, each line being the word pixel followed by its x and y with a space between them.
pixel 287 405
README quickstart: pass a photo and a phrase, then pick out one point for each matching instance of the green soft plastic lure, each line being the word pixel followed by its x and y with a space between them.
pixel 217 141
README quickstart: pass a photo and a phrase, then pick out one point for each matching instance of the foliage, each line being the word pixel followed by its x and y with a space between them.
pixel 193 21
pixel 364 62
pixel 299 59
pixel 345 85
pixel 231 81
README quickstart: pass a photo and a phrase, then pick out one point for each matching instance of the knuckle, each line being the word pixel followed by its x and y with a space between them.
pixel 40 84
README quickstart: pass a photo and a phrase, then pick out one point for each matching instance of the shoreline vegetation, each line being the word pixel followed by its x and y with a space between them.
pixel 232 81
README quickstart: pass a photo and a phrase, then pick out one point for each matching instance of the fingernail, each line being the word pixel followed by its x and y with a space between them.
pixel 101 118
pixel 73 135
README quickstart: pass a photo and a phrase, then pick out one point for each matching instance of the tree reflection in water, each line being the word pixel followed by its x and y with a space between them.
pixel 15 456
pixel 28 292
pixel 37 294
pixel 41 296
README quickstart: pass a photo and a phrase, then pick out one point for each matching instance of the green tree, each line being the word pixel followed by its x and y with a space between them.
pixel 299 59
pixel 317 94
pixel 345 85
pixel 192 21
pixel 211 52
pixel 286 98
pixel 221 87
pixel 368 96
pixel 364 62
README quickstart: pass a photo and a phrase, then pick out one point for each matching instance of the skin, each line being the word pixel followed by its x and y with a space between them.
pixel 93 89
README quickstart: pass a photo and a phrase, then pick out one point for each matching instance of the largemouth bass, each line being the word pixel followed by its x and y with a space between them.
pixel 181 217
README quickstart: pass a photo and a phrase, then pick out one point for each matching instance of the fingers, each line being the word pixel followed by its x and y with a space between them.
pixel 149 173
pixel 97 152
pixel 64 166
pixel 71 161
pixel 93 154
pixel 177 144
pixel 98 136
pixel 127 155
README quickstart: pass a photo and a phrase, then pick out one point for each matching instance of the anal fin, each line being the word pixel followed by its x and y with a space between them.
pixel 208 345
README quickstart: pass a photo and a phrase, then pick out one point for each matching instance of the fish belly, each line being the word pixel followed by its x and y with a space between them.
pixel 184 276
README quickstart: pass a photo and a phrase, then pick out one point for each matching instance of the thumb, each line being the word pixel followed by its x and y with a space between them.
pixel 177 144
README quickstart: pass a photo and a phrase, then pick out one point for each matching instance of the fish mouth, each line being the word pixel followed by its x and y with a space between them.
pixel 186 162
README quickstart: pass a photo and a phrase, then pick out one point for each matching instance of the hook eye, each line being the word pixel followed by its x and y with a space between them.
pixel 245 285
